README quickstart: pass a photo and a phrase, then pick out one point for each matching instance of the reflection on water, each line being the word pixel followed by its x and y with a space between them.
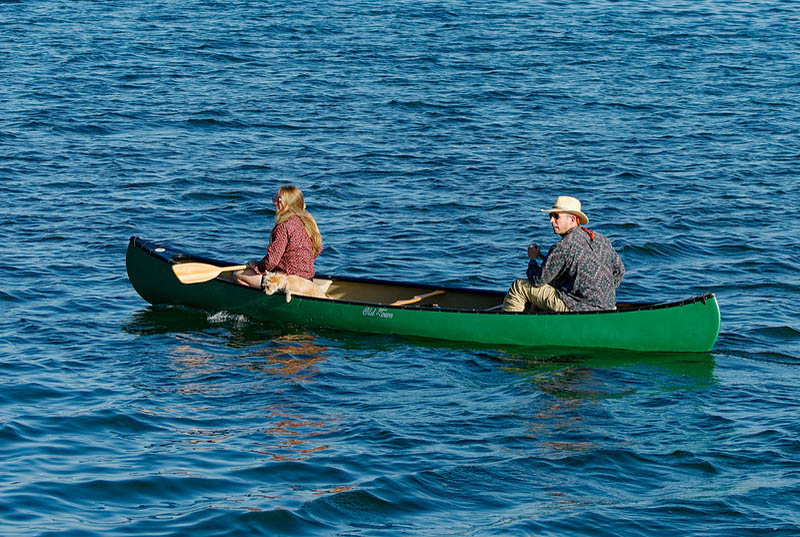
pixel 293 437
pixel 155 320
pixel 578 387
pixel 572 387
pixel 589 374
pixel 278 430
pixel 192 360
pixel 293 355
pixel 579 383
pixel 559 416
pixel 290 435
pixel 202 437
pixel 296 357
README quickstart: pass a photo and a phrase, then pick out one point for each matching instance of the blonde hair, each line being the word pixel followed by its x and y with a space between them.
pixel 294 205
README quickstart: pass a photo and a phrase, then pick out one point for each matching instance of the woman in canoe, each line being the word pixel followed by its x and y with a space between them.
pixel 295 241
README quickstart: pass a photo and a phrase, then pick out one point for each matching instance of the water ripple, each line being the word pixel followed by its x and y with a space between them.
pixel 426 138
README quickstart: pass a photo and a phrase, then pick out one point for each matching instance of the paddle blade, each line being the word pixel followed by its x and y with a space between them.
pixel 188 273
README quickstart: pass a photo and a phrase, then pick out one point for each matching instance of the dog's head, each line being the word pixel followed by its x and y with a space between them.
pixel 273 282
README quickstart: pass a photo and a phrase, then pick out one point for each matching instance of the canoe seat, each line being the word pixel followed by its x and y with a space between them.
pixel 323 284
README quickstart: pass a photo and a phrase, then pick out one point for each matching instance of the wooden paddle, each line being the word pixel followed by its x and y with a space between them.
pixel 417 298
pixel 200 272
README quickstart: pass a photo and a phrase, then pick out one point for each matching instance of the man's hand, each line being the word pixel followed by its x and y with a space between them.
pixel 534 251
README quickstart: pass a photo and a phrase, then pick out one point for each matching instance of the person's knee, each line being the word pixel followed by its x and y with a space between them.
pixel 248 277
pixel 550 300
pixel 516 298
pixel 517 287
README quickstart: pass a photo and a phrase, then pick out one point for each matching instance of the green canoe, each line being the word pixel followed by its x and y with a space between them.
pixel 455 314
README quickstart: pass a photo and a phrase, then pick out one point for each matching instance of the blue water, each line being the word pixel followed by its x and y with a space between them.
pixel 426 137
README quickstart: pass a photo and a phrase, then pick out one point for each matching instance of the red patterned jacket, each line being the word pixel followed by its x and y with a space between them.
pixel 290 250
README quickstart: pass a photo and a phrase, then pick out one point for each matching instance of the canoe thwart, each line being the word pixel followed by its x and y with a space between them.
pixel 417 298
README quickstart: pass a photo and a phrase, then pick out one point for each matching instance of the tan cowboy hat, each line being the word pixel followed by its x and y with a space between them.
pixel 568 204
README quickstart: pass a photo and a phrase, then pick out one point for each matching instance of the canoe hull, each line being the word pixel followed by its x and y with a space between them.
pixel 687 326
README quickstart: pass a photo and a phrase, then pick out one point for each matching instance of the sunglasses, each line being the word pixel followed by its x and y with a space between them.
pixel 276 198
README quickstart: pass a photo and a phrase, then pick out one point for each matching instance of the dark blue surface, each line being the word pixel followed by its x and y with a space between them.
pixel 426 137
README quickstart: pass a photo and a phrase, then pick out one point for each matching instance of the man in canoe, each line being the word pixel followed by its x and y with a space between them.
pixel 581 272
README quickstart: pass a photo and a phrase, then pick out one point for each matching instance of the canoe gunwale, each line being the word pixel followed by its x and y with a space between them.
pixel 172 257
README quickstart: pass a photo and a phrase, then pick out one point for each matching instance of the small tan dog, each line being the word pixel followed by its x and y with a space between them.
pixel 291 284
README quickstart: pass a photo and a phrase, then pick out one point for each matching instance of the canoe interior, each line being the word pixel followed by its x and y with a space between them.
pixel 384 293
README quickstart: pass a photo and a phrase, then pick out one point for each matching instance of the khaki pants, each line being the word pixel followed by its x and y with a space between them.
pixel 543 297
